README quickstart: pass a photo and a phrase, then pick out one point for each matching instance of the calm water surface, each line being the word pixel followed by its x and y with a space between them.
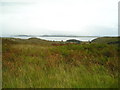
pixel 62 38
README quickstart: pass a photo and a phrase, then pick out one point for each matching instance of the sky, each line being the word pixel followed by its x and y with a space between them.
pixel 59 17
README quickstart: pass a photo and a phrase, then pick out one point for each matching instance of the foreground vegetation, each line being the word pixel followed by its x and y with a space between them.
pixel 36 63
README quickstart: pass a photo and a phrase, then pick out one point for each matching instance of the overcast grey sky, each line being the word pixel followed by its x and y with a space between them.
pixel 66 17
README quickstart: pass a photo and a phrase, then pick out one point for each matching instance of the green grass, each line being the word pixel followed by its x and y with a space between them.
pixel 37 63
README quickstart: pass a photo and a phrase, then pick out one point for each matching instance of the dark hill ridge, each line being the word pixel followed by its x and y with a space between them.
pixel 73 41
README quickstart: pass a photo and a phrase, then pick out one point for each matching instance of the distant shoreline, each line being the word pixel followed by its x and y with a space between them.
pixel 58 38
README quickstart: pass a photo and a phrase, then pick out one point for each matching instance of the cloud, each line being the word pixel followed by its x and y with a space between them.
pixel 78 17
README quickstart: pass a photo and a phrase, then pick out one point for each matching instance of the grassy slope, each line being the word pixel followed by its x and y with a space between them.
pixel 106 40
pixel 37 63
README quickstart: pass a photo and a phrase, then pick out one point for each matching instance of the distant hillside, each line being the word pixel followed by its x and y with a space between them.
pixel 107 40
pixel 25 41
